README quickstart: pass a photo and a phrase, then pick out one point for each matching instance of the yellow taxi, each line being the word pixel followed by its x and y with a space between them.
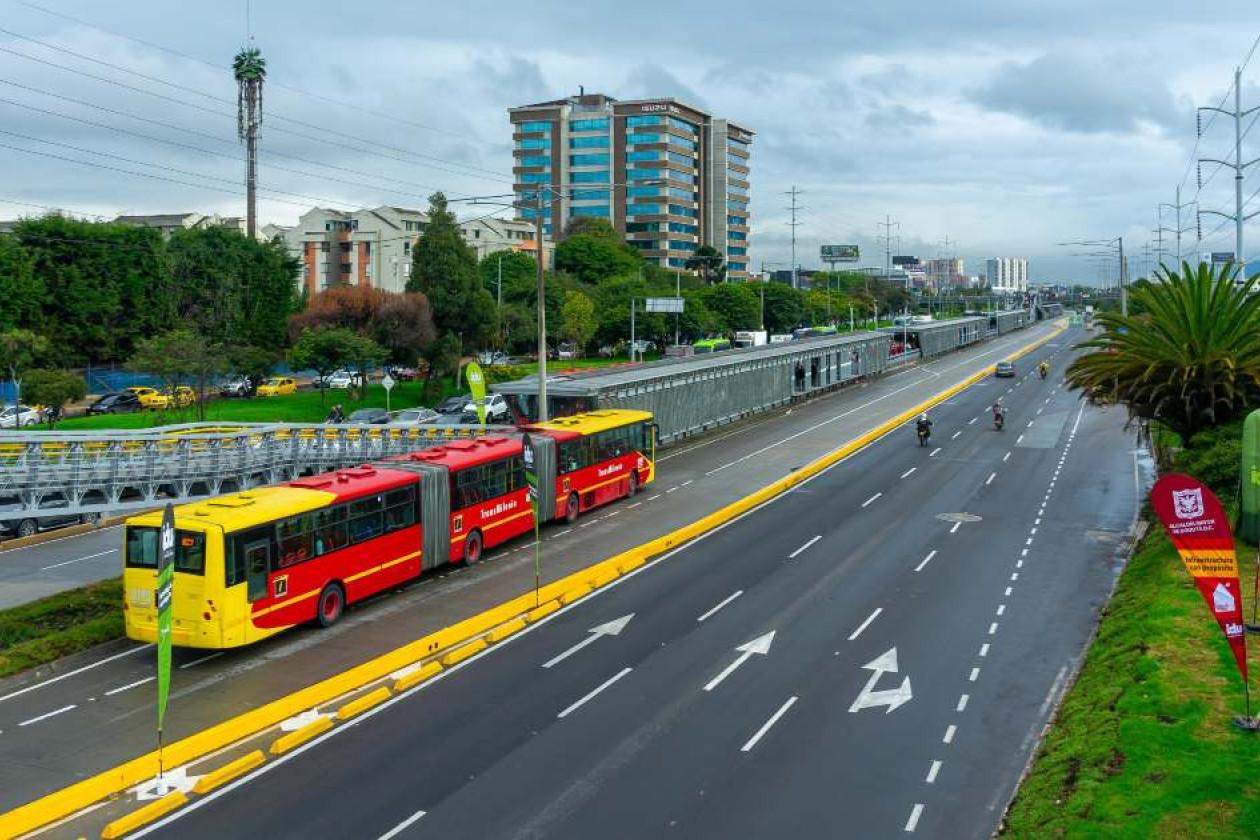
pixel 150 398
pixel 277 386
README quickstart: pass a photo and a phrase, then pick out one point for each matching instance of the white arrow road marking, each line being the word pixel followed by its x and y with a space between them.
pixel 893 697
pixel 611 628
pixel 760 645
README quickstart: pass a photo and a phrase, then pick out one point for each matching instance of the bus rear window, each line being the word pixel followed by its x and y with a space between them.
pixel 142 550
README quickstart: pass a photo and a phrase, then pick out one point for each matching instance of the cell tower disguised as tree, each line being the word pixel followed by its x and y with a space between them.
pixel 250 69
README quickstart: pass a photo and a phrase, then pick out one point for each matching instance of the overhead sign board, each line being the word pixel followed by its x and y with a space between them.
pixel 1222 256
pixel 905 260
pixel 669 304
pixel 839 253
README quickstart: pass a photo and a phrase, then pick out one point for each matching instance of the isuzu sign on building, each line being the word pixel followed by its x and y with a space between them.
pixel 1197 526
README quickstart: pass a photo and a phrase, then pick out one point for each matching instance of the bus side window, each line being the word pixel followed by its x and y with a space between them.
pixel 294 537
pixel 400 509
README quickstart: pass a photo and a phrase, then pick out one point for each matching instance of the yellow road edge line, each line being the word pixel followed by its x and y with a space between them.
pixel 69 800
pixel 284 743
pixel 362 704
pixel 228 772
pixel 143 816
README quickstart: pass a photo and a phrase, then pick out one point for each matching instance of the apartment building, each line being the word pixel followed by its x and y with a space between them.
pixel 668 176
pixel 946 273
pixel 168 223
pixel 373 247
pixel 1007 274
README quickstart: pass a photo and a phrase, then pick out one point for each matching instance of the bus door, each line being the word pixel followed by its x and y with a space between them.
pixel 257 562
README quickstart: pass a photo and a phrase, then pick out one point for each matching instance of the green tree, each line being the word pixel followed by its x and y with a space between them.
pixel 736 305
pixel 785 307
pixel 180 357
pixel 1191 362
pixel 18 350
pixel 21 293
pixel 591 226
pixel 253 362
pixel 579 321
pixel 444 269
pixel 709 262
pixel 324 349
pixel 593 258
pixel 519 272
pixel 54 389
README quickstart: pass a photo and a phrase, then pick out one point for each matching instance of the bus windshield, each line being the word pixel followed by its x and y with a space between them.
pixel 142 549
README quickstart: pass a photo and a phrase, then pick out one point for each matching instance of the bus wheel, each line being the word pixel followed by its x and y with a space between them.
pixel 633 487
pixel 332 603
pixel 472 548
pixel 571 509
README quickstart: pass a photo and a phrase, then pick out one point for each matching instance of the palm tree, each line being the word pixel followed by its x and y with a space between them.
pixel 250 69
pixel 1190 360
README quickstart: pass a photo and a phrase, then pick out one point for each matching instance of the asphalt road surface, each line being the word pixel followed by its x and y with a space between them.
pixel 871 654
pixel 36 571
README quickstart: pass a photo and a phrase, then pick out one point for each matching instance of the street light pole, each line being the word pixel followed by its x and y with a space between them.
pixel 542 312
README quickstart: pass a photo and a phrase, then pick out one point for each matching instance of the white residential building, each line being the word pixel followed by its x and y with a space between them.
pixel 168 223
pixel 1007 274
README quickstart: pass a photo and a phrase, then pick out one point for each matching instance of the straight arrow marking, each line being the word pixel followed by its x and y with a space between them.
pixel 893 697
pixel 612 628
pixel 760 645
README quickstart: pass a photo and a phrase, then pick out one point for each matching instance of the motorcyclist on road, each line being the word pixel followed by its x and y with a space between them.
pixel 336 415
pixel 1043 369
pixel 923 427
pixel 999 413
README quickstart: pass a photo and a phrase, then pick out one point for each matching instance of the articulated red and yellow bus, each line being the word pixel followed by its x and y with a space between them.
pixel 250 564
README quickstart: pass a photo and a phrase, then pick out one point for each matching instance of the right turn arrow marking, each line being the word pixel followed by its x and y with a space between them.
pixel 891 697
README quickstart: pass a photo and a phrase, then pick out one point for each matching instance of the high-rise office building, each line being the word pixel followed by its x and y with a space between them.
pixel 667 176
pixel 1007 274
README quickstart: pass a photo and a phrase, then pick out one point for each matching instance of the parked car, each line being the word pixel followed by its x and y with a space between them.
pixel 120 402
pixel 494 357
pixel 237 386
pixel 1004 369
pixel 19 416
pixel 277 386
pixel 150 398
pixel 402 374
pixel 608 350
pixel 566 350
pixel 372 416
pixel 496 408
pixel 642 346
pixel 28 526
pixel 344 379
pixel 415 417
pixel 454 405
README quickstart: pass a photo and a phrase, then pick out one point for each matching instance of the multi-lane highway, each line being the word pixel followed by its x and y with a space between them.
pixel 873 653
pixel 63 562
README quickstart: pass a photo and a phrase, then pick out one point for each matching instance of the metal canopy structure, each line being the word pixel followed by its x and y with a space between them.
pixel 59 473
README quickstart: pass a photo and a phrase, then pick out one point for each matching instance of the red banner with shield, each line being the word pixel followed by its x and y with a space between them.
pixel 1197 525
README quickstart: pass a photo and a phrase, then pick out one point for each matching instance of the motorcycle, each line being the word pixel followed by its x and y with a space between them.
pixel 1043 372
pixel 999 420
pixel 924 434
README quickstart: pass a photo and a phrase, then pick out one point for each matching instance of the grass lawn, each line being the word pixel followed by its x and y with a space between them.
pixel 1143 746
pixel 39 632
pixel 303 407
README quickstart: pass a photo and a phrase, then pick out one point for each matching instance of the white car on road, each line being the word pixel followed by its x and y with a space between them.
pixel 343 379
pixel 496 408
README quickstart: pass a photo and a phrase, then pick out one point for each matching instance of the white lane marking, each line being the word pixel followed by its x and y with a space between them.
pixel 872 498
pixel 628 507
pixel 611 514
pixel 1006 457
pixel 1037 521
pixel 915 813
pixel 1030 422
pixel 1019 440
pixel 671 490
pixel 907 472
pixel 1032 530
pixel 932 454
pixel 954 530
pixel 1028 541
pixel 962 702
pixel 721 604
pixel 685 483
pixel 925 560
pixel 989 480
pixel 975 674
pixel 596 691
pixel 955 435
pixel 1023 552
pixel 793 555
pixel 1077 423
pixel 653 498
pixel 1039 412
pixel 1008 592
pixel 122 688
pixel 78 559
pixel 1001 609
pixel 972 421
pixel 567 530
pixel 47 715
pixel 401 827
pixel 993 628
pixel 984 649
pixel 932 771
pixel 866 623
pixel 47 543
pixel 949 733
pixel 765 727
pixel 215 655
pixel 22 691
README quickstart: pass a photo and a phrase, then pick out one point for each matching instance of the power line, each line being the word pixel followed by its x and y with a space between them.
pixel 271 82
pixel 794 224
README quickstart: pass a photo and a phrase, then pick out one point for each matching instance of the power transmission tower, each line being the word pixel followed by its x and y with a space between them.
pixel 1178 230
pixel 794 208
pixel 1238 166
pixel 888 224
pixel 250 69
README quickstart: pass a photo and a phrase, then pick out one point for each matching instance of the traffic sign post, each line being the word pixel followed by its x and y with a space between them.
pixel 388 384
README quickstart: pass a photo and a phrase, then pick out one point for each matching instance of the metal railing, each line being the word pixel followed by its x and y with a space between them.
pixel 67 473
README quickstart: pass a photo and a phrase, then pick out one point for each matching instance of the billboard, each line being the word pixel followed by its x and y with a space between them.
pixel 839 253
pixel 905 260
pixel 1222 256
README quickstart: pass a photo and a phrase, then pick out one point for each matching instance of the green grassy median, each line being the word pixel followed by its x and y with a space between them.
pixel 1142 746
pixel 59 625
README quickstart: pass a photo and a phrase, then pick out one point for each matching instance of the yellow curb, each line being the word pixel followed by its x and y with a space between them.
pixel 604 577
pixel 630 564
pixel 501 632
pixel 143 816
pixel 295 739
pixel 541 611
pixel 461 653
pixel 579 591
pixel 364 703
pixel 417 676
pixel 228 772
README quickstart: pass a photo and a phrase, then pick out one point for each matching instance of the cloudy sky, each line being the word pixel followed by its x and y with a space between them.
pixel 1004 127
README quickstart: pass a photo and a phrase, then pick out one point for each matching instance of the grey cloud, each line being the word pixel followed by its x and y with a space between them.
pixel 898 116
pixel 515 79
pixel 653 80
pixel 1081 93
